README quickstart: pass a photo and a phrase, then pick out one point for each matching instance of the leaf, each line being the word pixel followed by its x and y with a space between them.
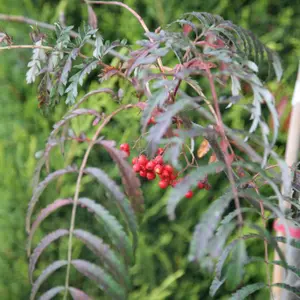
pixel 78 294
pixel 52 293
pixel 97 274
pixel 43 215
pixel 41 187
pixel 45 274
pixel 163 122
pixel 122 202
pixel 77 79
pixel 203 148
pixel 215 285
pixel 45 242
pixel 112 226
pixel 106 255
pixel 188 183
pixel 205 229
pixel 293 269
pixel 245 291
pixel 129 179
pixel 289 288
pixel 227 250
pixel 93 21
pixel 235 269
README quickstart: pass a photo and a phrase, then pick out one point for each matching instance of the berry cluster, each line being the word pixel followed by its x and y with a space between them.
pixel 152 168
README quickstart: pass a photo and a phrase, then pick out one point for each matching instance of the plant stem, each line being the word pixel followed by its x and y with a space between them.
pixel 77 189
pixel 221 130
pixel 26 47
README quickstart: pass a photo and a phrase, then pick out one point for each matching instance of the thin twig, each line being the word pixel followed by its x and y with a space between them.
pixel 77 188
pixel 26 47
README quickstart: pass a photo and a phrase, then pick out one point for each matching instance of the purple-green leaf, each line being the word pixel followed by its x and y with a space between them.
pixel 130 181
pixel 105 281
pixel 41 187
pixel 78 294
pixel 52 293
pixel 45 242
pixel 45 274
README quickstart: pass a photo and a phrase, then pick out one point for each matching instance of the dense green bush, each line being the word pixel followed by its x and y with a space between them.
pixel 23 129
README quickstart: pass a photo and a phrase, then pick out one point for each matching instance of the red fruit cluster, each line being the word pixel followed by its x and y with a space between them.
pixel 125 148
pixel 152 168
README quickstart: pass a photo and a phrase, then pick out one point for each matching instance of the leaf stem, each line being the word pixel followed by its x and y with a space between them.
pixel 26 47
pixel 77 189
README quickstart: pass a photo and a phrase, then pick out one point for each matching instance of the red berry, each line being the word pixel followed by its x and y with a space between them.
pixel 207 186
pixel 173 176
pixel 136 168
pixel 169 168
pixel 151 175
pixel 158 169
pixel 142 159
pixel 201 185
pixel 134 160
pixel 160 151
pixel 143 173
pixel 151 121
pixel 189 194
pixel 159 159
pixel 163 184
pixel 174 183
pixel 124 147
pixel 150 165
pixel 127 152
pixel 165 174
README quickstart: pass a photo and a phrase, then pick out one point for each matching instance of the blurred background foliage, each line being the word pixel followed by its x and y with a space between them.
pixel 162 270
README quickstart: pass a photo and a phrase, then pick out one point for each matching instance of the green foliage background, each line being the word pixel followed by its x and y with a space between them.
pixel 162 270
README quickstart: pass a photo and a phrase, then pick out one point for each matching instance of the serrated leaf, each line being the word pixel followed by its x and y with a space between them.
pixel 41 187
pixel 130 181
pixel 106 255
pixel 44 243
pixel 215 285
pixel 78 294
pixel 43 215
pixel 188 183
pixel 97 274
pixel 112 226
pixel 52 293
pixel 246 291
pixel 121 200
pixel 205 229
pixel 45 274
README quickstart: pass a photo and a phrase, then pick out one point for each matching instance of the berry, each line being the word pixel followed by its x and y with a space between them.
pixel 173 176
pixel 134 160
pixel 150 165
pixel 163 184
pixel 142 159
pixel 160 151
pixel 125 147
pixel 189 194
pixel 201 185
pixel 127 153
pixel 151 121
pixel 143 173
pixel 169 168
pixel 165 174
pixel 159 159
pixel 151 175
pixel 136 168
pixel 158 169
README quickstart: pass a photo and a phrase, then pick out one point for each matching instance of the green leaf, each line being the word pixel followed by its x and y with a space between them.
pixel 105 281
pixel 189 182
pixel 52 293
pixel 245 291
pixel 45 274
pixel 106 255
pixel 205 229
pixel 112 226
